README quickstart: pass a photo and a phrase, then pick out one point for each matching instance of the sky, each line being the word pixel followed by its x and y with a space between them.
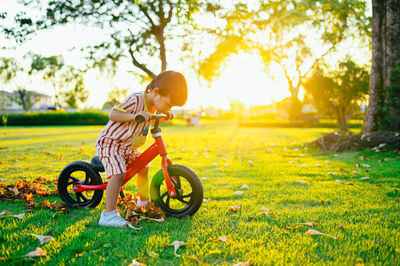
pixel 244 77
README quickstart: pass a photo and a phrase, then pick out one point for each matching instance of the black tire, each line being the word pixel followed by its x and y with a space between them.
pixel 79 173
pixel 188 200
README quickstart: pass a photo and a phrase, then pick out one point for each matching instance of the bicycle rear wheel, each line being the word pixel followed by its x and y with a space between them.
pixel 188 187
pixel 79 173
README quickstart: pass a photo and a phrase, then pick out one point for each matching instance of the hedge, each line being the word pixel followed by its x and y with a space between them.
pixel 295 124
pixel 57 118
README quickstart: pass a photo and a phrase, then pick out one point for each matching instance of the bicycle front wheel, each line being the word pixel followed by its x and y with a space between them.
pixel 188 187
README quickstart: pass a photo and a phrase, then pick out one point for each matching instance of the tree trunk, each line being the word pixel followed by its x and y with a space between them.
pixel 163 57
pixel 392 35
pixel 341 121
pixel 383 112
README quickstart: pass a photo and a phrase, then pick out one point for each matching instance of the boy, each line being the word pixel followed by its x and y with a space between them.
pixel 118 141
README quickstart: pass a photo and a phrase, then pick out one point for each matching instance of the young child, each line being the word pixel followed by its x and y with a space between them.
pixel 118 142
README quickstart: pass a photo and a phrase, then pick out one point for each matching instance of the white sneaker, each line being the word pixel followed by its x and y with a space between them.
pixel 141 203
pixel 112 219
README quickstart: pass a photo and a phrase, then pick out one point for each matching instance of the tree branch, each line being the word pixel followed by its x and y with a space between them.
pixel 140 66
pixel 144 11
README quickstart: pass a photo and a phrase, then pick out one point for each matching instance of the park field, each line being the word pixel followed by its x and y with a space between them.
pixel 352 197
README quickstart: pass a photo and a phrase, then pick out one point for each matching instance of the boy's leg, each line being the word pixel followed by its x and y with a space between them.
pixel 112 192
pixel 143 183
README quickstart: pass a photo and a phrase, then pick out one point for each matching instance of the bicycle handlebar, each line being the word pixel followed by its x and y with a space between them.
pixel 140 118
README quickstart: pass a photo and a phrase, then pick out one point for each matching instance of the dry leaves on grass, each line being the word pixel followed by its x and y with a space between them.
pixel 24 190
pixel 176 244
pixel 36 253
pixel 315 232
pixel 135 214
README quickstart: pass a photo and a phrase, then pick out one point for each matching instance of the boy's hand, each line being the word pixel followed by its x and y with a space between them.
pixel 146 115
pixel 170 115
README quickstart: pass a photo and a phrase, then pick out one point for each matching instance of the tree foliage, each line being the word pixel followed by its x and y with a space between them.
pixel 136 29
pixel 338 93
pixel 279 31
pixel 115 96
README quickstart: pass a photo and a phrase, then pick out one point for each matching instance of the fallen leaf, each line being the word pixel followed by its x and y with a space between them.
pixel 315 232
pixel 238 192
pixel 37 253
pixel 312 224
pixel 5 212
pixel 234 208
pixel 222 239
pixel 341 226
pixel 364 178
pixel 135 228
pixel 350 183
pixel 160 220
pixel 177 244
pixel 19 216
pixel 43 239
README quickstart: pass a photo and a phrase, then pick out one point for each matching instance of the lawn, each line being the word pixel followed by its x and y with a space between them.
pixel 288 187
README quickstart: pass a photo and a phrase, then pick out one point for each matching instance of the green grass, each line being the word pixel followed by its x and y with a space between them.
pixel 368 213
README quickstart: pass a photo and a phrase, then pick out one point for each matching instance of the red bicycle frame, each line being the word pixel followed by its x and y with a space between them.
pixel 157 148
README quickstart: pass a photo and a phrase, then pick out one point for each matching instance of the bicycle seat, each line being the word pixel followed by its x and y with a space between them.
pixel 96 164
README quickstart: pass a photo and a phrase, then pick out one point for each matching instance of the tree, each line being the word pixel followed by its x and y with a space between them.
pixel 25 98
pixel 279 32
pixel 9 69
pixel 72 86
pixel 115 96
pixel 384 88
pixel 67 81
pixel 48 67
pixel 139 29
pixel 338 93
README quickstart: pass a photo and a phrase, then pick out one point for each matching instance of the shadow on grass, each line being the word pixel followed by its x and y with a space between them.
pixel 79 238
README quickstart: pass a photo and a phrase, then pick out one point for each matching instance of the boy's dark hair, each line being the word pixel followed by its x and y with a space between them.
pixel 170 83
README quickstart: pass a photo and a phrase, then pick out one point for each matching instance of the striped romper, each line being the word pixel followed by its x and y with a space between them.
pixel 119 141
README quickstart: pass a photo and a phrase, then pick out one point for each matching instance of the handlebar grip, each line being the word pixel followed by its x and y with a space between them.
pixel 139 119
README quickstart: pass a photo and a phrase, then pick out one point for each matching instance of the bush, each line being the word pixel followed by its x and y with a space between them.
pixel 58 118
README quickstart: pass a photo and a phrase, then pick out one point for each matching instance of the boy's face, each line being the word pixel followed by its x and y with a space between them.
pixel 162 103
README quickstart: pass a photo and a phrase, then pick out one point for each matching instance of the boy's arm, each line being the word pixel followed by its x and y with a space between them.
pixel 119 116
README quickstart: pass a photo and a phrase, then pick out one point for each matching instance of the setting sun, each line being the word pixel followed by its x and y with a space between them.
pixel 244 79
